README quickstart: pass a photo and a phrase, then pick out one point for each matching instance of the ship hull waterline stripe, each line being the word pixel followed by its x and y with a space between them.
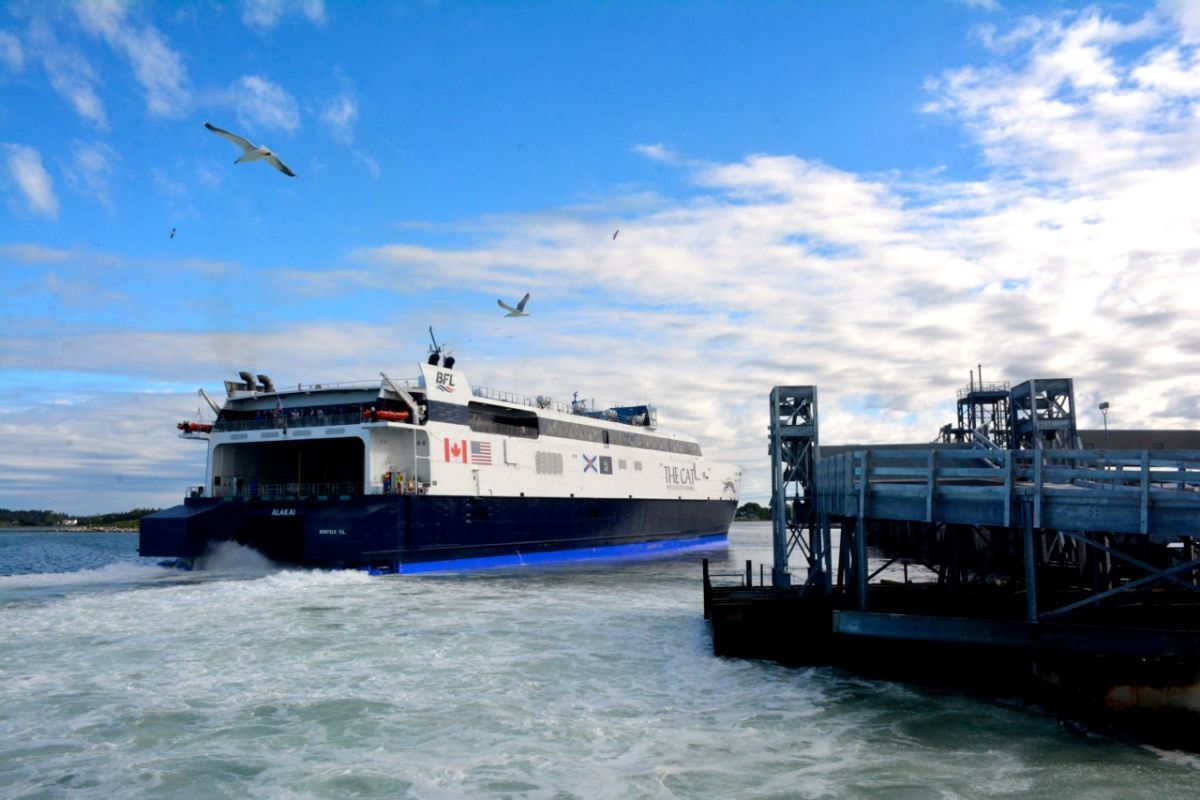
pixel 623 552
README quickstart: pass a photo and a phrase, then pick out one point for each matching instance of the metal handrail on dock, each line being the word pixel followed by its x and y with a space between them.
pixel 984 388
pixel 745 580
pixel 1147 492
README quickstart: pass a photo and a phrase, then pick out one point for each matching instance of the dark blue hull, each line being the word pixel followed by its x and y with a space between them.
pixel 391 531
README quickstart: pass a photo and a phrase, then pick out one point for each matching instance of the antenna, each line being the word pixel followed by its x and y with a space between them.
pixel 435 347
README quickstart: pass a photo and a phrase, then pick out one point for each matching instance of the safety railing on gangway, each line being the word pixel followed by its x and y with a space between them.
pixel 854 483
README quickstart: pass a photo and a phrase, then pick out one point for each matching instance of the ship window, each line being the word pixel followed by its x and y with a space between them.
pixel 591 433
pixel 549 463
pixel 620 463
pixel 447 412
pixel 266 417
pixel 572 430
pixel 487 418
pixel 646 442
pixel 637 466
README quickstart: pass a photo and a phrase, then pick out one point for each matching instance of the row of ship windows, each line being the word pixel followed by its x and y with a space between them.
pixel 486 418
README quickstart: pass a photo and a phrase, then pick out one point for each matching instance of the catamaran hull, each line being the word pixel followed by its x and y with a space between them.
pixel 406 532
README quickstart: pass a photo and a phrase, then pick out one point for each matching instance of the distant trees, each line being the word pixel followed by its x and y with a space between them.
pixel 121 519
pixel 44 519
pixel 24 519
pixel 752 511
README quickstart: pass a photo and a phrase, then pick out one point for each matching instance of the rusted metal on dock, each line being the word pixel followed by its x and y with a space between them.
pixel 1069 572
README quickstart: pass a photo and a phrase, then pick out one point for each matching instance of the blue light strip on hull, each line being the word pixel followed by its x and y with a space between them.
pixel 615 551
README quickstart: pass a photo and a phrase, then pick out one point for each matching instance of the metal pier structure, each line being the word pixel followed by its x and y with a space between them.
pixel 1002 551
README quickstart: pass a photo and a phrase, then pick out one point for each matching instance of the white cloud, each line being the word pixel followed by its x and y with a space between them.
pixel 91 169
pixel 172 189
pixel 207 178
pixel 28 253
pixel 70 73
pixel 340 114
pixel 259 103
pixel 1170 72
pixel 985 5
pixel 26 171
pixel 263 14
pixel 157 67
pixel 1065 106
pixel 1186 15
pixel 656 152
pixel 12 55
pixel 120 463
pixel 371 165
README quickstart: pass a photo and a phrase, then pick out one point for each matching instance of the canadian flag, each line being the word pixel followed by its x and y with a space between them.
pixel 456 451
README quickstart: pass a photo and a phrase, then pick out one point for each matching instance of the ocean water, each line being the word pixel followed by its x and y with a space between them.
pixel 123 679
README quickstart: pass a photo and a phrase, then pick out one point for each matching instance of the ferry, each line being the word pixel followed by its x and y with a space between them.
pixel 431 473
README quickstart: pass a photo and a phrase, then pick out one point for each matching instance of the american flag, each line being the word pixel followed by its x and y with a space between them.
pixel 481 453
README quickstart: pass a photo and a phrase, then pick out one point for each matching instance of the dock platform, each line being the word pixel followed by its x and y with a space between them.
pixel 1068 573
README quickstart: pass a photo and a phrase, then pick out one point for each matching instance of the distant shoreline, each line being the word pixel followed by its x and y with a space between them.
pixel 68 529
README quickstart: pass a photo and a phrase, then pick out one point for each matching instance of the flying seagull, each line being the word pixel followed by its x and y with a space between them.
pixel 172 233
pixel 618 230
pixel 251 151
pixel 519 311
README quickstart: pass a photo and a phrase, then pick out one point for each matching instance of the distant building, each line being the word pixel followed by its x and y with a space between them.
pixel 1140 439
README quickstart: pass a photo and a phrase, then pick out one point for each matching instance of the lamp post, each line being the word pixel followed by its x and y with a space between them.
pixel 1104 413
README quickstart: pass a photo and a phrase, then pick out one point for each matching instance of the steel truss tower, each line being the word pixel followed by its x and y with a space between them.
pixel 1043 415
pixel 793 488
pixel 984 408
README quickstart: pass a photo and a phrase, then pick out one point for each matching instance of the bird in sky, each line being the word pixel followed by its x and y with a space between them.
pixel 172 236
pixel 251 151
pixel 618 230
pixel 519 311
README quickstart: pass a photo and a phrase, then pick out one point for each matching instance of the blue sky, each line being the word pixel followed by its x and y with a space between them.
pixel 871 197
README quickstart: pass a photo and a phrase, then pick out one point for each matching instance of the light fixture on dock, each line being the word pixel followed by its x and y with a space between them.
pixel 1104 413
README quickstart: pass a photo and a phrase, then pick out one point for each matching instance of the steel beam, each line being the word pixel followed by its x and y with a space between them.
pixel 1031 553
pixel 793 431
pixel 1185 567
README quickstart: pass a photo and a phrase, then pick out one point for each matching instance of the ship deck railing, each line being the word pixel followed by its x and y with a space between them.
pixel 405 383
pixel 240 389
pixel 520 399
pixel 252 490
pixel 546 404
pixel 289 419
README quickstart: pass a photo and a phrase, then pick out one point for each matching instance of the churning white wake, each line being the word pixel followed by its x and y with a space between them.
pixel 231 558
